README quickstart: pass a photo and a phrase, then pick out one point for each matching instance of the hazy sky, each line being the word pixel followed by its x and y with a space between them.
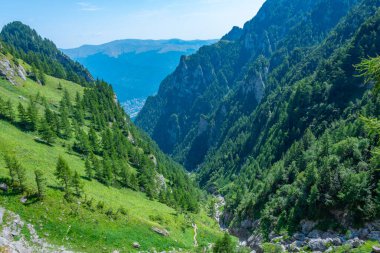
pixel 71 23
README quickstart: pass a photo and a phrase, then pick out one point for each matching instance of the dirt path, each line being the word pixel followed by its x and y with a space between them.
pixel 195 235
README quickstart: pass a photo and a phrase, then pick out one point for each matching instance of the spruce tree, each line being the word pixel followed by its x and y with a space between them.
pixel 64 176
pixel 94 141
pixel 65 123
pixel 9 165
pixel 22 115
pixel 41 183
pixel 41 77
pixel 82 144
pixel 77 184
pixel 224 245
pixel 32 113
pixel 46 132
pixel 88 167
pixel 16 171
pixel 2 108
pixel 9 112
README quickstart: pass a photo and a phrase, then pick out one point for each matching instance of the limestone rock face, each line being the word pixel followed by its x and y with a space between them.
pixel 12 72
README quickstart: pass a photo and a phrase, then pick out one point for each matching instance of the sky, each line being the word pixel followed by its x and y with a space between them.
pixel 72 23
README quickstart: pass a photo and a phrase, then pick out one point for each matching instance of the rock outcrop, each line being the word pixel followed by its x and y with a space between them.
pixel 12 72
pixel 12 240
pixel 316 240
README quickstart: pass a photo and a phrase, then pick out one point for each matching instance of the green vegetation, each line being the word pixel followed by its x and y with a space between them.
pixel 89 179
pixel 280 128
pixel 42 54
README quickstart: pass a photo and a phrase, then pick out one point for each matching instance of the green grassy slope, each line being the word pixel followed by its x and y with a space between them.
pixel 73 225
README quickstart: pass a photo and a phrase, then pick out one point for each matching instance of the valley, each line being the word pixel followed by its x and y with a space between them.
pixel 264 141
pixel 135 68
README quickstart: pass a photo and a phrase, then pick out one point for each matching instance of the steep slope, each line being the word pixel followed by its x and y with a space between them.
pixel 269 117
pixel 175 117
pixel 125 64
pixel 24 43
pixel 96 169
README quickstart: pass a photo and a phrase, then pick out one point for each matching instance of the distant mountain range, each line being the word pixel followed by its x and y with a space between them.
pixel 135 68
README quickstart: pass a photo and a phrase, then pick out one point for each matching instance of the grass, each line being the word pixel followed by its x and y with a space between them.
pixel 72 225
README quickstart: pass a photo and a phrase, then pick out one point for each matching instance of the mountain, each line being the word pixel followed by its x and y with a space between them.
pixel 24 43
pixel 271 117
pixel 135 68
pixel 75 170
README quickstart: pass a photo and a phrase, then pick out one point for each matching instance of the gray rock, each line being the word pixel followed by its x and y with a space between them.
pixel 376 249
pixel 294 247
pixel 299 237
pixel 23 200
pixel 257 248
pixel 136 245
pixel 317 245
pixel 277 239
pixel 374 235
pixel 354 243
pixel 374 226
pixel 4 187
pixel 21 72
pixel 314 234
pixel 328 234
pixel 363 233
pixel 160 231
pixel 336 241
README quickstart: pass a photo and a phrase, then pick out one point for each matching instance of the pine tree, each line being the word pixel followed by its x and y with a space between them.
pixel 77 184
pixel 41 77
pixel 88 168
pixel 224 245
pixel 64 176
pixel 94 141
pixel 32 113
pixel 79 110
pixel 46 132
pixel 41 184
pixel 16 171
pixel 9 112
pixel 22 115
pixel 2 108
pixel 66 100
pixel 65 123
pixel 82 144
pixel 9 165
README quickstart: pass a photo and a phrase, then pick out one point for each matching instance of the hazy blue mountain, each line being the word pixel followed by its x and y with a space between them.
pixel 135 68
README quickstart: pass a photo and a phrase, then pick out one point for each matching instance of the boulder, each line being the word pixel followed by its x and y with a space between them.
pixel 355 243
pixel 317 245
pixel 277 239
pixel 376 249
pixel 336 241
pixel 23 200
pixel 4 187
pixel 160 231
pixel 136 245
pixel 374 235
pixel 314 234
pixel 299 237
pixel 257 248
pixel 363 233
pixel 294 247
